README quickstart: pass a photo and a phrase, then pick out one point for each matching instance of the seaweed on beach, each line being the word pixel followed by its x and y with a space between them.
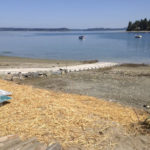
pixel 89 61
pixel 133 65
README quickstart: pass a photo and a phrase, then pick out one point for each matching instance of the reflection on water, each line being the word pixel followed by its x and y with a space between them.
pixel 104 46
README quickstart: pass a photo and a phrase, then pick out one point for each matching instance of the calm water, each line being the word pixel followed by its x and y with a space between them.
pixel 104 46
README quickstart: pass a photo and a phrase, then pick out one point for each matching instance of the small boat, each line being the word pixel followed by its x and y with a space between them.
pixel 81 37
pixel 138 36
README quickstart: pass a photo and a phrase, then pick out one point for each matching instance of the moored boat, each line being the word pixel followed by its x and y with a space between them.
pixel 81 37
pixel 138 36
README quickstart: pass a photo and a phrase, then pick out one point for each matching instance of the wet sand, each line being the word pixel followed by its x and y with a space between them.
pixel 18 62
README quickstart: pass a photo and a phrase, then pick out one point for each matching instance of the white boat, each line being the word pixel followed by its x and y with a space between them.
pixel 138 36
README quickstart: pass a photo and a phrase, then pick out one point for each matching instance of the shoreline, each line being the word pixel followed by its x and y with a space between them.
pixel 7 60
pixel 138 31
pixel 2 57
pixel 23 62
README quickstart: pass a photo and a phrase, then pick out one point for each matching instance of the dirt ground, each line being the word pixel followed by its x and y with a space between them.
pixel 128 84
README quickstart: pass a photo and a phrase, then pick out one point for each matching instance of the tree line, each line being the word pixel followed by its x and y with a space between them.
pixel 139 25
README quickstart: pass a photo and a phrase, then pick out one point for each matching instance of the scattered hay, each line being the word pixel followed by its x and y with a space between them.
pixel 66 118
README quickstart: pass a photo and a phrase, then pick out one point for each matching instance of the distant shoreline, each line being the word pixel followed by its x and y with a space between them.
pixel 139 31
pixel 59 29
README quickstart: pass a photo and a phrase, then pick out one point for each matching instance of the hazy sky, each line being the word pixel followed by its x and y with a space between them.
pixel 72 13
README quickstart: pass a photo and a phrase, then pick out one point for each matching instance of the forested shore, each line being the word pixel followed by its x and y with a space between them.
pixel 139 25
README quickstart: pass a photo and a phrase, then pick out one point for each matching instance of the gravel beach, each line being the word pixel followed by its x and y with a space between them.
pixel 126 84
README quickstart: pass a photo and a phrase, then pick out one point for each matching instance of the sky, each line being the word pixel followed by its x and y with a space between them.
pixel 72 13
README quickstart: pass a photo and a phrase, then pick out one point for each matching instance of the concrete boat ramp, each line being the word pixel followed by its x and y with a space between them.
pixel 58 69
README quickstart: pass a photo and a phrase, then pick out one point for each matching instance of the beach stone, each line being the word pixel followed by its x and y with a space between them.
pixel 20 77
pixel 56 72
pixel 49 73
pixel 45 74
pixel 15 78
pixel 35 75
pixel 27 75
pixel 30 75
pixel 42 74
pixel 9 77
pixel 63 71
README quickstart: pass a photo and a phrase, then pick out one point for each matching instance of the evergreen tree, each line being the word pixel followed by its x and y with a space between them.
pixel 129 26
pixel 142 25
pixel 149 25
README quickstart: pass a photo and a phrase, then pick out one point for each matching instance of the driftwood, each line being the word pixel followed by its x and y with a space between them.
pixel 15 143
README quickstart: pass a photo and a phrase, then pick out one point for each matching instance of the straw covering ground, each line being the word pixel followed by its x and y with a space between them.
pixel 66 118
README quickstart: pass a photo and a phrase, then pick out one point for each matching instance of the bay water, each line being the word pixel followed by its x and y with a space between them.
pixel 114 46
